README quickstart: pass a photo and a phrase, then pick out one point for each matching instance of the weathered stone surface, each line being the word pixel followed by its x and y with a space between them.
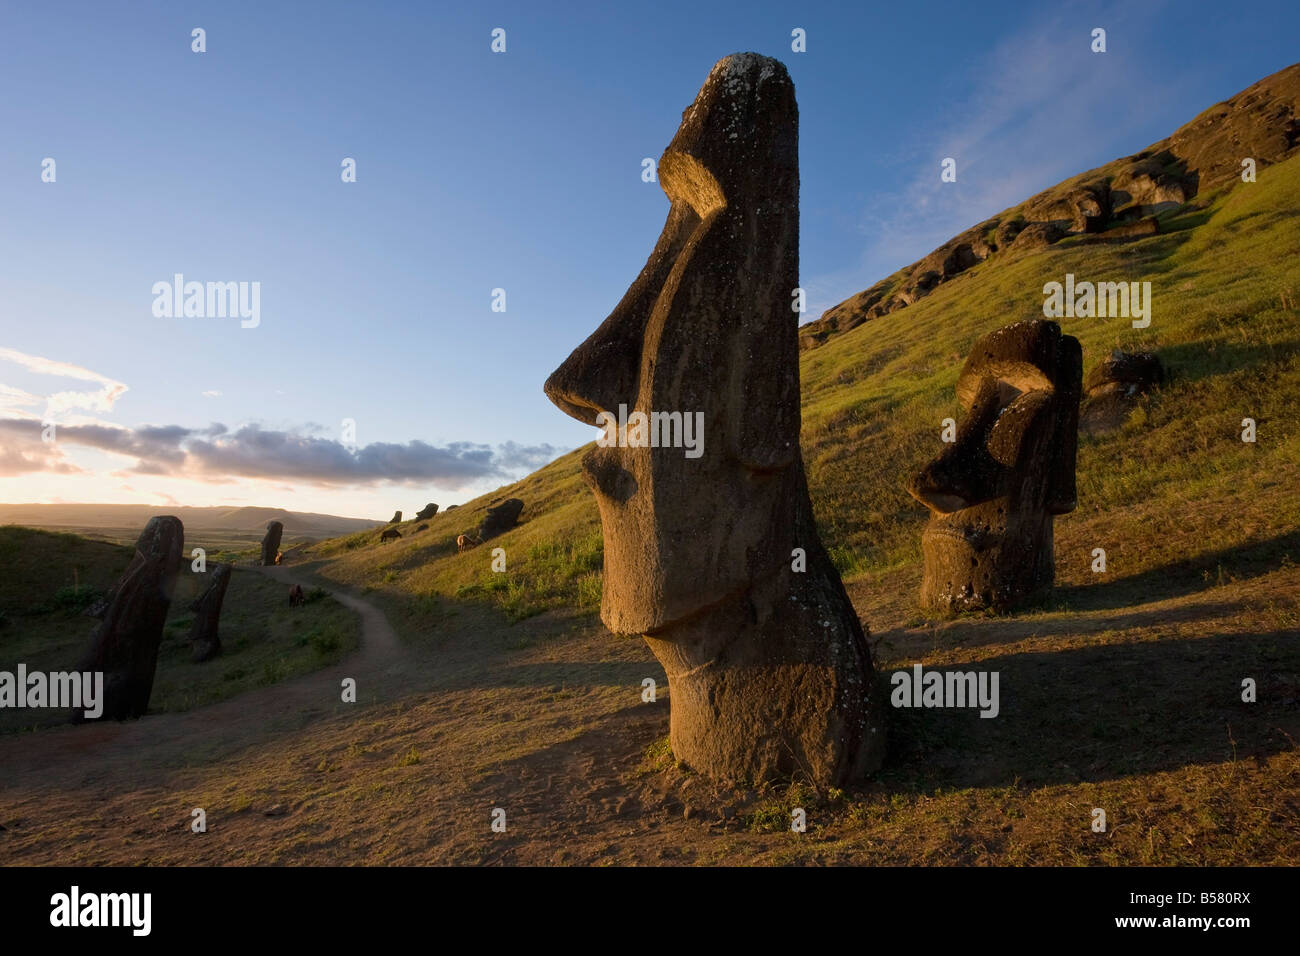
pixel 992 493
pixel 1038 235
pixel 769 668
pixel 1150 226
pixel 1112 388
pixel 271 543
pixel 427 512
pixel 124 645
pixel 1129 372
pixel 396 518
pixel 205 634
pixel 500 518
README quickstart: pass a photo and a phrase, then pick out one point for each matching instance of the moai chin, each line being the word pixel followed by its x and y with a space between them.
pixel 993 492
pixel 769 670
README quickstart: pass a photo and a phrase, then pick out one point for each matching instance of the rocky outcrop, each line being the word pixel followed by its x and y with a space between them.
pixel 1117 201
pixel 716 559
pixel 992 493
pixel 1113 387
pixel 205 634
pixel 500 518
pixel 1037 235
pixel 124 647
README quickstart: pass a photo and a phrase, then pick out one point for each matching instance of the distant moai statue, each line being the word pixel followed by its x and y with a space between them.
pixel 396 518
pixel 769 670
pixel 205 636
pixel 271 543
pixel 993 492
pixel 124 645
pixel 500 518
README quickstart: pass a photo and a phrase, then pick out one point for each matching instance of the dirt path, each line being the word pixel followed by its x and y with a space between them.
pixel 71 755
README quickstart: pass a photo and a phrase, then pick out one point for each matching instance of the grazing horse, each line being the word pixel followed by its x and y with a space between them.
pixel 296 597
pixel 390 534
pixel 466 541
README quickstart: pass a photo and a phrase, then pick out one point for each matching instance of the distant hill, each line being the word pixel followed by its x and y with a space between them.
pixel 90 516
pixel 1115 202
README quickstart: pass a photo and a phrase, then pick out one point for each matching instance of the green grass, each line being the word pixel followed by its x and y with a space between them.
pixel 874 398
pixel 49 578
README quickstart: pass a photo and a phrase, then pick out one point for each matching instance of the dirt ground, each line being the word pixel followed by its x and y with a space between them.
pixel 1134 709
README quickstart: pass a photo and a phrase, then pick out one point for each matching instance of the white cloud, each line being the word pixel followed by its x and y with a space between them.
pixel 59 403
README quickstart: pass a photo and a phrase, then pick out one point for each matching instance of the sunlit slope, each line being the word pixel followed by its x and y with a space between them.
pixel 1174 483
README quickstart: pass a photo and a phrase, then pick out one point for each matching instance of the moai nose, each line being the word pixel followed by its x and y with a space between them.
pixel 604 371
pixel 964 473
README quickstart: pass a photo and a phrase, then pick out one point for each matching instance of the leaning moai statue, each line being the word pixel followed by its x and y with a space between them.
pixel 396 518
pixel 271 543
pixel 125 643
pixel 428 511
pixel 993 492
pixel 711 551
pixel 205 636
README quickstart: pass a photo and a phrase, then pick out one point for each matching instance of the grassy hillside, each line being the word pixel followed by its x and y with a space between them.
pixel 48 579
pixel 1174 486
pixel 1121 693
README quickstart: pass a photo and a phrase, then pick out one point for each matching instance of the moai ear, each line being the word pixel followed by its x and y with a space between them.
pixel 1062 491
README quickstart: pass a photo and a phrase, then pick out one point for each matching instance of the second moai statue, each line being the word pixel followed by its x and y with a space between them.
pixel 994 491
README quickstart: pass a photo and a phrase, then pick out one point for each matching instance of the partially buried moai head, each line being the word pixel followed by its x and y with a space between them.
pixel 993 492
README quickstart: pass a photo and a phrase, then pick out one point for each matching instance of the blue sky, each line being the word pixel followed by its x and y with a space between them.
pixel 477 171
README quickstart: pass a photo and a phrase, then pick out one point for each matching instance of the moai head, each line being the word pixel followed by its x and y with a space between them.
pixel 706 334
pixel 702 494
pixel 992 493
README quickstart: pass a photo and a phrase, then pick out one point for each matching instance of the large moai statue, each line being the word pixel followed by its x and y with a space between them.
pixel 271 543
pixel 205 636
pixel 427 512
pixel 711 551
pixel 993 492
pixel 125 644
